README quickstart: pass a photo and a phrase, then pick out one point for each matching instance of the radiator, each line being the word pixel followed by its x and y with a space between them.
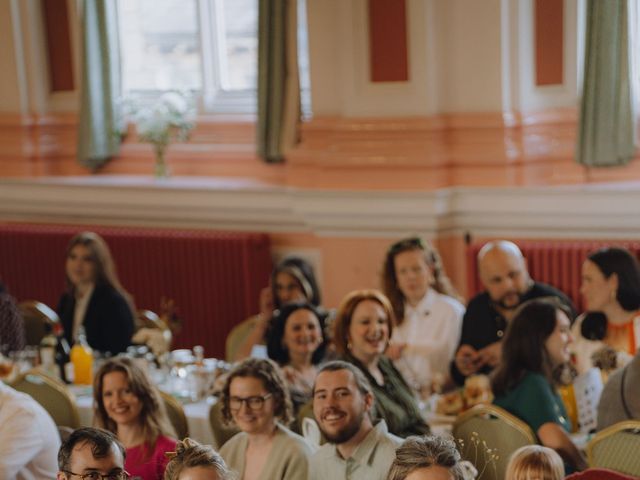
pixel 214 277
pixel 557 263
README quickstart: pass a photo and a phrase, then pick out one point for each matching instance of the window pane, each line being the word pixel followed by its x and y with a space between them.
pixel 159 44
pixel 240 18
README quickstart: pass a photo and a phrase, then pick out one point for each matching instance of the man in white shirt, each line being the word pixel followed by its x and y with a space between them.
pixel 356 449
pixel 29 439
pixel 92 451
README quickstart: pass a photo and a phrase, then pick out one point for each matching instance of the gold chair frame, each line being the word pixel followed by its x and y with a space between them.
pixel 503 416
pixel 176 415
pixel 607 433
pixel 58 387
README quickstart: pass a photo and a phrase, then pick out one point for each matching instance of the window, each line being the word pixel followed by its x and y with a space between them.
pixel 209 47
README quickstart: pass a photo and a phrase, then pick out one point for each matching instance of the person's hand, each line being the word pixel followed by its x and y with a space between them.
pixel 491 354
pixel 468 360
pixel 266 302
pixel 394 350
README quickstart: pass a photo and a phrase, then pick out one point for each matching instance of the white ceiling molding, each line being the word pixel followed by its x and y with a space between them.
pixel 586 211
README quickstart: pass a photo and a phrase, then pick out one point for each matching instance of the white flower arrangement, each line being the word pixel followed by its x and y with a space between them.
pixel 159 123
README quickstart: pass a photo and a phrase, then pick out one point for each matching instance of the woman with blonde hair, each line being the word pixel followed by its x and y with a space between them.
pixel 428 313
pixel 95 301
pixel 256 400
pixel 535 462
pixel 192 461
pixel 127 404
pixel 362 328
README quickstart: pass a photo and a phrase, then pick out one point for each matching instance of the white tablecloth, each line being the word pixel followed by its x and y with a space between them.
pixel 197 415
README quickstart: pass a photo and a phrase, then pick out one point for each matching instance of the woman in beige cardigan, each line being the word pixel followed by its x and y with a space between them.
pixel 255 398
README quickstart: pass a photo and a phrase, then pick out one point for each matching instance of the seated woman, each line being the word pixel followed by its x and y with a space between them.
pixel 620 398
pixel 95 301
pixel 428 314
pixel 12 333
pixel 611 291
pixel 535 346
pixel 255 399
pixel 362 328
pixel 127 404
pixel 296 341
pixel 192 461
pixel 292 280
pixel 429 458
pixel 535 461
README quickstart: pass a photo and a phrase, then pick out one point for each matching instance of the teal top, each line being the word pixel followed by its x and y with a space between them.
pixel 535 402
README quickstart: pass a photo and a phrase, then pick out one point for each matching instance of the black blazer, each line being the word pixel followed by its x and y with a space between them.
pixel 108 321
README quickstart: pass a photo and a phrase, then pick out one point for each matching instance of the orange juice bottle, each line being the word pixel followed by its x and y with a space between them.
pixel 82 359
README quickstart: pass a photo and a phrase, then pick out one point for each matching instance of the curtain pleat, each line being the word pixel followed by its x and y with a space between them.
pixel 606 135
pixel 278 81
pixel 98 131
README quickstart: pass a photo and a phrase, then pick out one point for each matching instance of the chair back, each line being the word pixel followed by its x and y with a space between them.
pixel 35 315
pixel 52 394
pixel 236 337
pixel 617 448
pixel 221 432
pixel 487 436
pixel 176 415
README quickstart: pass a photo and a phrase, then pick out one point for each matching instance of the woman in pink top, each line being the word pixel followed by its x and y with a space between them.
pixel 127 404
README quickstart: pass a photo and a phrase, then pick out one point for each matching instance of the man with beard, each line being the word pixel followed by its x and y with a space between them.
pixel 503 271
pixel 356 449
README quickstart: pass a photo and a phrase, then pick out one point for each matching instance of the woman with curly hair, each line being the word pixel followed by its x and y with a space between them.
pixel 428 313
pixel 127 404
pixel 255 399
pixel 192 461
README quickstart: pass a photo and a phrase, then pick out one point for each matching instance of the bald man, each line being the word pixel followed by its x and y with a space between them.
pixel 504 275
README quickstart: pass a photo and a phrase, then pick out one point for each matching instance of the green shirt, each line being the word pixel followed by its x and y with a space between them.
pixel 394 401
pixel 535 401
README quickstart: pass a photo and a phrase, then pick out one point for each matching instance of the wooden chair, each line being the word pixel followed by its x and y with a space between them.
pixel 236 337
pixel 36 315
pixel 221 432
pixel 52 394
pixel 176 415
pixel 487 436
pixel 617 448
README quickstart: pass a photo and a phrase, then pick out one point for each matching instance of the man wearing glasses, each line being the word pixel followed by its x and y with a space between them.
pixel 91 454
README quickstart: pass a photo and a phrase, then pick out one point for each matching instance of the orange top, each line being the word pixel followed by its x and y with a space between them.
pixel 625 329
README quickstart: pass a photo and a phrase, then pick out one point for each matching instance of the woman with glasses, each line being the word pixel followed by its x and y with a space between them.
pixel 362 328
pixel 296 341
pixel 428 313
pixel 127 404
pixel 95 301
pixel 292 280
pixel 255 399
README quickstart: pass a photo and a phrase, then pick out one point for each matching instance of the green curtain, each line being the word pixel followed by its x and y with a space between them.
pixel 98 138
pixel 278 82
pixel 606 134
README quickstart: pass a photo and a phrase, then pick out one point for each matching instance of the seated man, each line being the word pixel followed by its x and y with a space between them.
pixel 503 272
pixel 91 451
pixel 29 439
pixel 356 449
